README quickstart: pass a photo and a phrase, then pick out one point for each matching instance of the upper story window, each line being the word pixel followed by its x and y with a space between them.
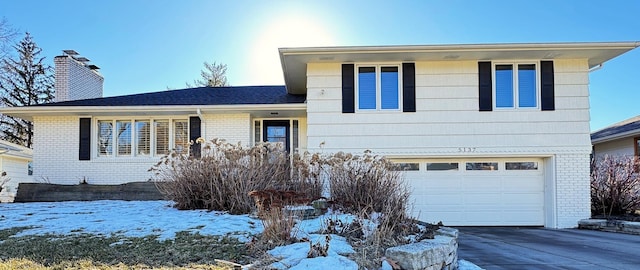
pixel 142 137
pixel 516 85
pixel 378 87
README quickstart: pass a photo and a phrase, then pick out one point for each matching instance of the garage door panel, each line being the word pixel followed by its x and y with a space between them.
pixel 477 197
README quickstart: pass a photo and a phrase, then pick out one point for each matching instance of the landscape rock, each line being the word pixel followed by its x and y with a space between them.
pixel 429 254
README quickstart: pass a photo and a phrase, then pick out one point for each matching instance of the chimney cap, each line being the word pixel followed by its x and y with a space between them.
pixel 93 67
pixel 80 58
pixel 70 52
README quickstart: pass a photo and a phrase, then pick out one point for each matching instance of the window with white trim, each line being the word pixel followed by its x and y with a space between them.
pixel 516 85
pixel 378 87
pixel 142 137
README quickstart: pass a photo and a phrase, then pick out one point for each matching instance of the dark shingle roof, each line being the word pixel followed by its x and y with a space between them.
pixel 628 125
pixel 232 95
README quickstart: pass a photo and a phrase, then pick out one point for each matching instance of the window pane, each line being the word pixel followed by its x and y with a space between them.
pixel 637 146
pixel 366 88
pixel 442 166
pixel 123 137
pixel 277 134
pixel 162 137
pixel 504 86
pixel 105 138
pixel 511 166
pixel 389 88
pixel 256 133
pixel 406 167
pixel 527 86
pixel 143 138
pixel 482 166
pixel 181 136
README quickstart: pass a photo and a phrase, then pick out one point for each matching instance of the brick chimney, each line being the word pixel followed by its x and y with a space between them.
pixel 76 78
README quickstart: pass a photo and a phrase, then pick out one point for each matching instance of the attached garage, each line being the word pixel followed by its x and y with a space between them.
pixel 478 192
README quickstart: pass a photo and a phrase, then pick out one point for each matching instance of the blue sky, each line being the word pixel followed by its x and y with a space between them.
pixel 144 46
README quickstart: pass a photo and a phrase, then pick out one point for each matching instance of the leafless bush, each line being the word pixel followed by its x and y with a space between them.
pixel 3 180
pixel 225 173
pixel 278 230
pixel 615 185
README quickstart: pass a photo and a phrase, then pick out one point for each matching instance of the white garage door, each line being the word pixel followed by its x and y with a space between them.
pixel 478 192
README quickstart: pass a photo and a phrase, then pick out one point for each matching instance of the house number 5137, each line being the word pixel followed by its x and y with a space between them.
pixel 466 149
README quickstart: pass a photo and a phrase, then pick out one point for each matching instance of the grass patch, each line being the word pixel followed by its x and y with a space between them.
pixel 86 264
pixel 187 249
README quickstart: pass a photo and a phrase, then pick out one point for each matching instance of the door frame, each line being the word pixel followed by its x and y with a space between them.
pixel 278 123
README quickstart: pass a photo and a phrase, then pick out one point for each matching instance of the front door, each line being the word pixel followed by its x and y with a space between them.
pixel 276 131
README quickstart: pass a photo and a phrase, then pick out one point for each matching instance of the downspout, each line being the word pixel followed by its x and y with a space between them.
pixel 199 113
pixel 599 66
pixel 203 127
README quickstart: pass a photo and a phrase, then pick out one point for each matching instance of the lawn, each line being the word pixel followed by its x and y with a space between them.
pixel 151 234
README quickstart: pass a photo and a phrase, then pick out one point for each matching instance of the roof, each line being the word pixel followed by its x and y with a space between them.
pixel 626 128
pixel 15 150
pixel 294 60
pixel 231 95
pixel 259 100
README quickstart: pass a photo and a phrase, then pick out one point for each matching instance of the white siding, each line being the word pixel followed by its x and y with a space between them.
pixel 17 172
pixel 447 115
pixel 619 147
pixel 447 124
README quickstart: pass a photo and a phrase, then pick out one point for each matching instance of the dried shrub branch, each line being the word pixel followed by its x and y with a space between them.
pixel 223 176
pixel 615 185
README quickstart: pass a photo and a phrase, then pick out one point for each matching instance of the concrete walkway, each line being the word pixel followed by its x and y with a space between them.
pixel 538 248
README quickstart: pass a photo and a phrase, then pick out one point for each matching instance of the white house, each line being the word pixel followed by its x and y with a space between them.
pixel 619 139
pixel 491 134
pixel 15 161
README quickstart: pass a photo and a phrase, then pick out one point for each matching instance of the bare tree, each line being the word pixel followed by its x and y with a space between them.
pixel 214 74
pixel 24 80
pixel 7 35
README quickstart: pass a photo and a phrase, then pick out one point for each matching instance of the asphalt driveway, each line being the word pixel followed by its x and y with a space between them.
pixel 538 248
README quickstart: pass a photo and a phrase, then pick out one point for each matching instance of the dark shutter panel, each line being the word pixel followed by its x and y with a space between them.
pixel 84 152
pixel 547 91
pixel 194 134
pixel 408 87
pixel 485 100
pixel 348 85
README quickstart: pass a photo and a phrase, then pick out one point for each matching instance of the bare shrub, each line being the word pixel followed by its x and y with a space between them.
pixel 615 185
pixel 225 173
pixel 3 180
pixel 279 229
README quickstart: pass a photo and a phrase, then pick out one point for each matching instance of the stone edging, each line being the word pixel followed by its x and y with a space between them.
pixel 438 253
pixel 620 226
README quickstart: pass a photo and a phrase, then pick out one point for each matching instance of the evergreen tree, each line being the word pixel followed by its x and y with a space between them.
pixel 213 75
pixel 24 80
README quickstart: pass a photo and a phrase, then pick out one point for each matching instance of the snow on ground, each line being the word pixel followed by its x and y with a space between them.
pixel 142 218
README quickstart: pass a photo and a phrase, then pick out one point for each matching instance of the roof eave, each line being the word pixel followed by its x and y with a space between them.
pixel 28 113
pixel 294 60
pixel 617 136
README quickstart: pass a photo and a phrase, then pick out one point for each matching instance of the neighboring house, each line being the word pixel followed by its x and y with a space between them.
pixel 619 139
pixel 15 161
pixel 493 134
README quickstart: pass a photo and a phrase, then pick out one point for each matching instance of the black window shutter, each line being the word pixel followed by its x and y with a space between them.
pixel 485 101
pixel 194 134
pixel 408 87
pixel 547 91
pixel 84 152
pixel 348 85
